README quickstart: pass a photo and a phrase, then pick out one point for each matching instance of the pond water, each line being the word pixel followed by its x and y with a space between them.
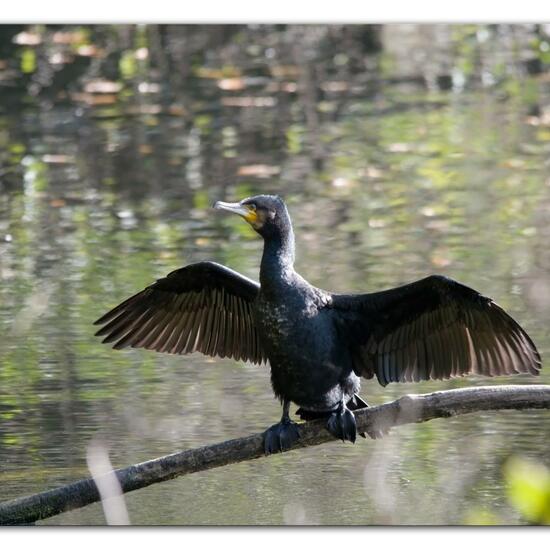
pixel 106 184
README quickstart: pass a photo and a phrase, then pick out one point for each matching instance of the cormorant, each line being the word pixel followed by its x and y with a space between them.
pixel 318 343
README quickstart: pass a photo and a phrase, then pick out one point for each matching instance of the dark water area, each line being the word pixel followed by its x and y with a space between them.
pixel 401 151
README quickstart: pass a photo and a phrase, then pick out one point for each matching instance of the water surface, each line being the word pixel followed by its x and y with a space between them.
pixel 387 180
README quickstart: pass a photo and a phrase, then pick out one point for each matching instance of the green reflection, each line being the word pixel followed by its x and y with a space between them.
pixel 109 190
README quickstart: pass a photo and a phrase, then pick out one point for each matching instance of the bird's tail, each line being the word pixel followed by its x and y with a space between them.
pixel 353 404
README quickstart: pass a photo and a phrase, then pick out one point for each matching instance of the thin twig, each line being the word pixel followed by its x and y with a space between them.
pixel 405 410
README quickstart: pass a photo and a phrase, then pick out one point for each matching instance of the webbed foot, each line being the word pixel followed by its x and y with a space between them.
pixel 280 437
pixel 356 403
pixel 341 424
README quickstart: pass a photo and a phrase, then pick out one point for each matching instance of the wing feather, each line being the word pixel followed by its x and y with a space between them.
pixel 435 328
pixel 202 307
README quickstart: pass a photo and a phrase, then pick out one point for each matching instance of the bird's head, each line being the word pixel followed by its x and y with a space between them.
pixel 267 214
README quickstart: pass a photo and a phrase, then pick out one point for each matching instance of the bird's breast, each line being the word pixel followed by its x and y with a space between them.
pixel 294 330
pixel 308 365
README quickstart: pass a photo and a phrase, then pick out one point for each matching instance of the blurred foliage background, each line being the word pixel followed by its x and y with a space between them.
pixel 402 150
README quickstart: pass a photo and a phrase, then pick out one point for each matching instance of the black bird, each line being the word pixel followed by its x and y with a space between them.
pixel 318 343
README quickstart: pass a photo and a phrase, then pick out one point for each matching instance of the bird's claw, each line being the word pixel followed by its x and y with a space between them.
pixel 280 437
pixel 341 424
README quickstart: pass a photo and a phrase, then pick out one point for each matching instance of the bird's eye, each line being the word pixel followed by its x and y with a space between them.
pixel 252 207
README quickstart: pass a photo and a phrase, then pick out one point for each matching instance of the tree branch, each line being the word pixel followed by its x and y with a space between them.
pixel 405 410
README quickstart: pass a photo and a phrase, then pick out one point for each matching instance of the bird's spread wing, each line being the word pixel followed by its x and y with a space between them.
pixel 434 328
pixel 202 307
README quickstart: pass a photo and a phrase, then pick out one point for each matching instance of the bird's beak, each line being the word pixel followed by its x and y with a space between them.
pixel 237 208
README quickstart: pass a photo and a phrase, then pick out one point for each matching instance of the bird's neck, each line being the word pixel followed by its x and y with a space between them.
pixel 278 258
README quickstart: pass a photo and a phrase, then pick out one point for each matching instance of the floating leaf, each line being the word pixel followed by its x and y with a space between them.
pixel 285 71
pixel 102 87
pixel 335 86
pixel 248 101
pixel 231 84
pixel 57 203
pixel 148 88
pixel 513 163
pixel 58 159
pixel 341 182
pixel 69 37
pixel 60 58
pixel 399 147
pixel 27 39
pixel 89 50
pixel 258 170
pixel 92 99
pixel 177 110
pixel 143 109
pixel 217 74
pixel 145 149
pixel 287 87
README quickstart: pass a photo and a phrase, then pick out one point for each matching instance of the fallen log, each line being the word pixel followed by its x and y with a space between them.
pixel 405 410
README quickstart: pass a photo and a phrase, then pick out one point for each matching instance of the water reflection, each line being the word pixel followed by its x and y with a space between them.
pixel 111 154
